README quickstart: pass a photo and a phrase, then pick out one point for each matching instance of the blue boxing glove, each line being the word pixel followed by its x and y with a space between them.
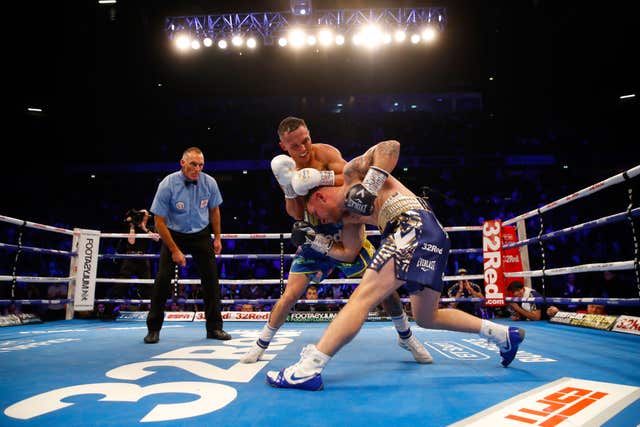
pixel 303 234
pixel 360 197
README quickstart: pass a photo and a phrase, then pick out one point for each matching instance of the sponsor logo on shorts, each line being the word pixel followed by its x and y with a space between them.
pixel 567 401
pixel 430 247
pixel 426 264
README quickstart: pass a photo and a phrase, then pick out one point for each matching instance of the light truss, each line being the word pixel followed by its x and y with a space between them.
pixel 271 25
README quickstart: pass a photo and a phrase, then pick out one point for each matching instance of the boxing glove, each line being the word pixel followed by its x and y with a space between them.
pixel 283 168
pixel 308 178
pixel 303 234
pixel 360 197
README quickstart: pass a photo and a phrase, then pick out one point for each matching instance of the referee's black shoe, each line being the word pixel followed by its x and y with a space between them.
pixel 152 337
pixel 218 334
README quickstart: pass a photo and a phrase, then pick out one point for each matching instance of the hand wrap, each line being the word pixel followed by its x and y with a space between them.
pixel 360 197
pixel 303 234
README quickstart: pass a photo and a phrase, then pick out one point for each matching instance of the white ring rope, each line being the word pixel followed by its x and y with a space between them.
pixel 605 266
pixel 616 179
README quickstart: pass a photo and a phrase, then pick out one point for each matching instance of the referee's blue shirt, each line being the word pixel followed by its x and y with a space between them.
pixel 185 207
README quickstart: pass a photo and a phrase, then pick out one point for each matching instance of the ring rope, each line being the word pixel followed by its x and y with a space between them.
pixel 616 179
pixel 624 265
pixel 542 252
pixel 18 247
pixel 16 260
pixel 634 234
pixel 611 219
pixel 555 300
pixel 30 224
pixel 281 265
pixel 35 279
pixel 220 256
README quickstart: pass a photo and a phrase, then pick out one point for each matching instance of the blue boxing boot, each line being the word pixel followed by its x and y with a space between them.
pixel 304 375
pixel 514 338
pixel 507 339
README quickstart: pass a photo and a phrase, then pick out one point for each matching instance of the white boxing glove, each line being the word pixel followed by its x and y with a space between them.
pixel 283 168
pixel 308 178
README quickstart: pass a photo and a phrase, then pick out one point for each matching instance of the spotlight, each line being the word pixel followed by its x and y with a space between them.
pixel 301 7
pixel 237 41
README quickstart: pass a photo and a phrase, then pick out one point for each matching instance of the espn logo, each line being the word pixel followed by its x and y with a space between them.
pixel 557 407
pixel 564 402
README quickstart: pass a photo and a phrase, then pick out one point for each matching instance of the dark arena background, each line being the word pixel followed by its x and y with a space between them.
pixel 525 112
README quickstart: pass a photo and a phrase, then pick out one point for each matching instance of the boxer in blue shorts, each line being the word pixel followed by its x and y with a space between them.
pixel 318 267
pixel 413 252
pixel 322 246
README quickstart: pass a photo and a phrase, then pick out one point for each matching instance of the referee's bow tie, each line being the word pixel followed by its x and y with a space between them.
pixel 188 183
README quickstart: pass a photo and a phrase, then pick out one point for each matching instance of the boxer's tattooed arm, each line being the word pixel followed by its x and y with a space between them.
pixel 383 155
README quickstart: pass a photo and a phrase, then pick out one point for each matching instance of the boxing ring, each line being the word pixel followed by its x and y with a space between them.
pixel 83 371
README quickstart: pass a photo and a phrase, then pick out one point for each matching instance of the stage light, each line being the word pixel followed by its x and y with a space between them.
pixel 251 43
pixel 237 41
pixel 296 37
pixel 195 44
pixel 327 26
pixel 325 36
pixel 222 44
pixel 429 34
pixel 415 38
pixel 371 36
pixel 182 42
pixel 301 7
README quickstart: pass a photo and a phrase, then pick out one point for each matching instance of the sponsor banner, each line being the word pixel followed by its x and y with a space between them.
pixel 595 321
pixel 19 319
pixel 492 263
pixel 511 260
pixel 311 316
pixel 179 316
pixel 567 401
pixel 243 316
pixel 136 316
pixel 627 324
pixel 85 270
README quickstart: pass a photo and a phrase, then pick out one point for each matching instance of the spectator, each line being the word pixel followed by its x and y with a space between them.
pixel 138 222
pixel 56 311
pixel 312 295
pixel 524 310
pixel 466 289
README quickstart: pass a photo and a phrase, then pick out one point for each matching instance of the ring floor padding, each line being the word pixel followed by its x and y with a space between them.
pixel 81 372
